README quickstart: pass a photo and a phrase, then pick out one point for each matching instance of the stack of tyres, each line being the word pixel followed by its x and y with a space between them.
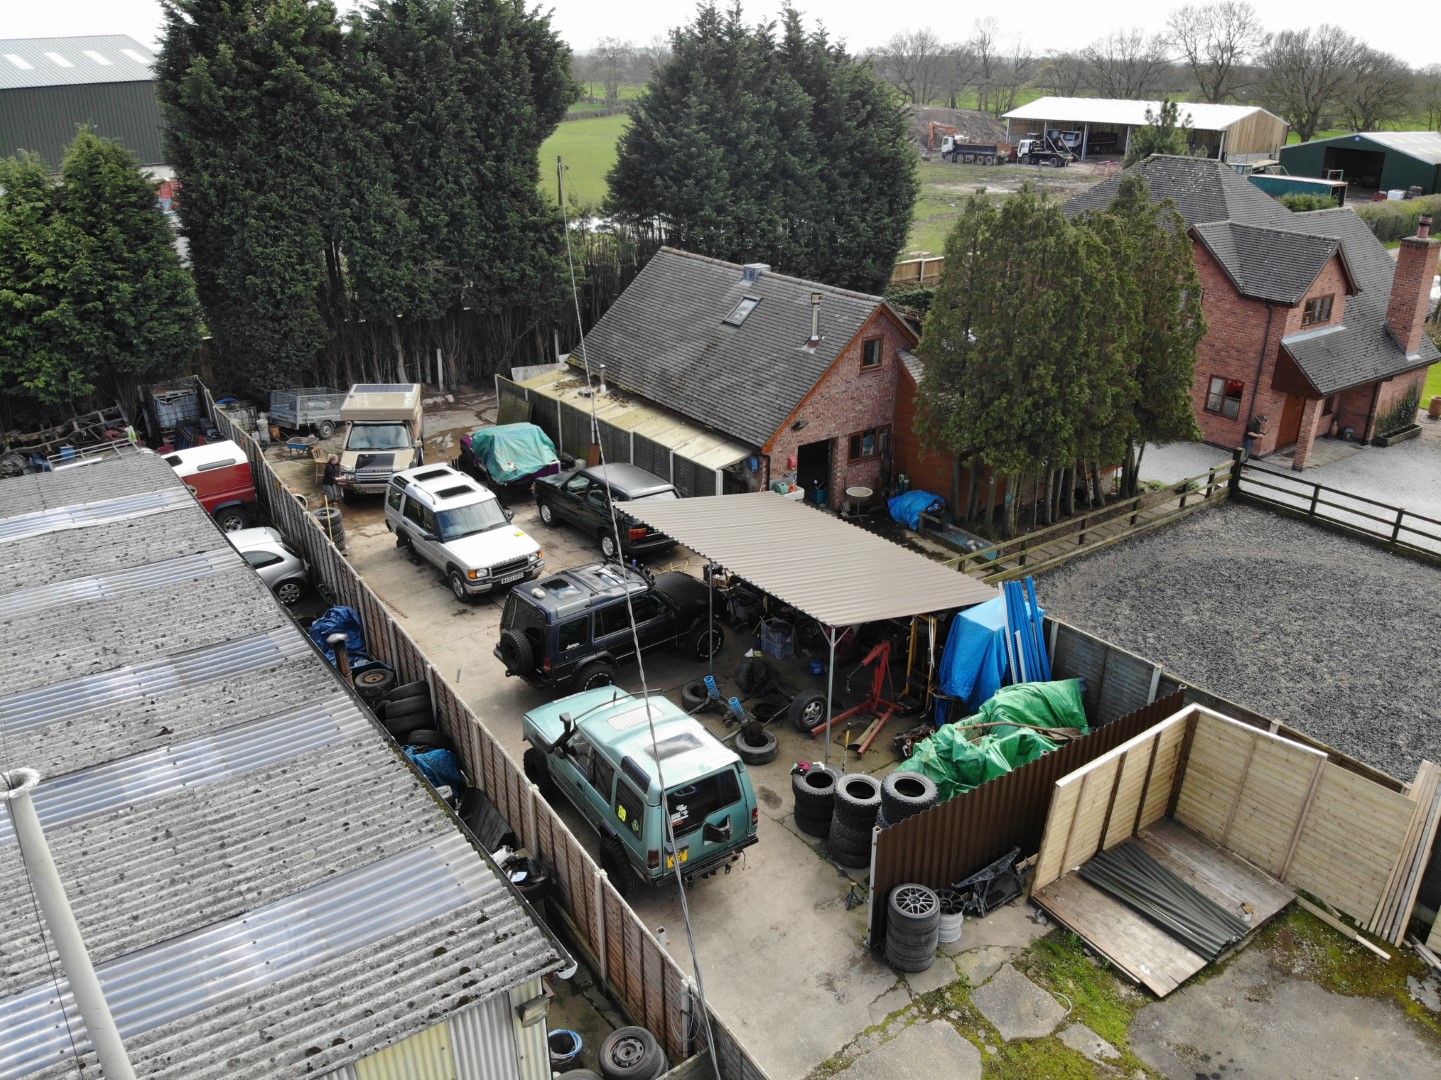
pixel 905 794
pixel 405 709
pixel 913 917
pixel 815 792
pixel 858 801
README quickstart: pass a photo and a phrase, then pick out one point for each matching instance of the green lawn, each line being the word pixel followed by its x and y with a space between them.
pixel 1433 385
pixel 588 147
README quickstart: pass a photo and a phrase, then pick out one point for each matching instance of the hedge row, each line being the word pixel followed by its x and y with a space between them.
pixel 1397 220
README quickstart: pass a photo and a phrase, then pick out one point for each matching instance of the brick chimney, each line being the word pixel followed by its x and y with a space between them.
pixel 1411 287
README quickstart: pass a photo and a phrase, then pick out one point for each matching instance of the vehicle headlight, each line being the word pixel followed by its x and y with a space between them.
pixel 537 556
pixel 476 575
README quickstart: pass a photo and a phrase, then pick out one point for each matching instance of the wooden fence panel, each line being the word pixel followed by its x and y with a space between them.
pixel 1161 783
pixel 1273 803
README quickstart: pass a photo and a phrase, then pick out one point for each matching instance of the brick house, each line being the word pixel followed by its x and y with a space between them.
pixel 804 374
pixel 1310 323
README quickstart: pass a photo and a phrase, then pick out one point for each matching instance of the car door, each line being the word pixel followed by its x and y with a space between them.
pixel 653 622
pixel 419 524
pixel 569 502
pixel 268 564
pixel 595 509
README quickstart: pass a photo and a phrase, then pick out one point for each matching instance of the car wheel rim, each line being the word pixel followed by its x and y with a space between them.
pixel 457 587
pixel 914 901
pixel 627 1051
pixel 545 513
pixel 812 714
pixel 288 593
pixel 607 547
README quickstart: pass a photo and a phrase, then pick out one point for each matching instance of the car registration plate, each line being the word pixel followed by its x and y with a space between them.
pixel 670 859
pixel 511 577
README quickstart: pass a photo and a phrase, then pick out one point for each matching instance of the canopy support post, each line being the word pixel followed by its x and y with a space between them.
pixel 830 690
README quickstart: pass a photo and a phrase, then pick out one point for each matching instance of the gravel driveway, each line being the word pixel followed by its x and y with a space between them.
pixel 1329 635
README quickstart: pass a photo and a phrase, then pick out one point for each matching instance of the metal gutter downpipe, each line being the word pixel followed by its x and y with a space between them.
pixel 60 920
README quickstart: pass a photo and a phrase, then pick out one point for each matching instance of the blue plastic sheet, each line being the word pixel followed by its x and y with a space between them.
pixel 439 767
pixel 907 508
pixel 339 620
pixel 974 664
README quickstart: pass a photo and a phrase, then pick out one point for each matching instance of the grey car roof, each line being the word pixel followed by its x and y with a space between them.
pixel 665 339
pixel 629 480
pixel 207 774
pixel 830 569
pixel 73 61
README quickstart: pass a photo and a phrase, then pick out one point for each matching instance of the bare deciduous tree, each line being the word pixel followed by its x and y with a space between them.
pixel 1305 73
pixel 613 59
pixel 1428 95
pixel 653 53
pixel 1063 74
pixel 912 61
pixel 985 47
pixel 1126 64
pixel 1378 91
pixel 1215 40
pixel 1015 71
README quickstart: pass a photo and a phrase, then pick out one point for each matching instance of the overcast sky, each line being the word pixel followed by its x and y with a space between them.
pixel 1048 24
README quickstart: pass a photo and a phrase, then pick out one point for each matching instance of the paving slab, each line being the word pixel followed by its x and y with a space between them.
pixel 893 1000
pixel 978 965
pixel 1017 1007
pixel 1251 1023
pixel 1083 1040
pixel 939 974
pixel 931 1048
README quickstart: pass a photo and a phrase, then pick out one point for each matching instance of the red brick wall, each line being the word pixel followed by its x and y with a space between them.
pixel 1392 392
pixel 848 400
pixel 1411 290
pixel 1236 328
pixel 928 470
pixel 1330 282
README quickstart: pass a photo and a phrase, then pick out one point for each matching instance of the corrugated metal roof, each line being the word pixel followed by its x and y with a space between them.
pixel 1121 111
pixel 267 887
pixel 72 61
pixel 1421 145
pixel 621 410
pixel 828 568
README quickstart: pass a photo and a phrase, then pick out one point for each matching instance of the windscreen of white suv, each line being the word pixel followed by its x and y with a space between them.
pixel 469 520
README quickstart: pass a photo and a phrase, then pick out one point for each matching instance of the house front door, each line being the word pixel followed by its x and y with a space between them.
pixel 1290 421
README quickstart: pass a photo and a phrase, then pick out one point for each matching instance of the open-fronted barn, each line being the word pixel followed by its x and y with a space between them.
pixel 1104 125
pixel 1386 160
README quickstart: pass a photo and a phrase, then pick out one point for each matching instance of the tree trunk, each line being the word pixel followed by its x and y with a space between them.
pixel 973 490
pixel 1068 491
pixel 1140 453
pixel 990 502
pixel 399 344
pixel 1050 496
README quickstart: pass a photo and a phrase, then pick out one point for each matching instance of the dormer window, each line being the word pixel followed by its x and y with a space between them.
pixel 871 353
pixel 1317 311
pixel 744 308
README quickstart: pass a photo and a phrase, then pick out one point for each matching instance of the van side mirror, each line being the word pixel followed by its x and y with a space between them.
pixel 716 834
pixel 509 513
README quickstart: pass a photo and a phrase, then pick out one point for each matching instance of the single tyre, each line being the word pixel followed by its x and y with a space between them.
pixel 430 739
pixel 695 697
pixel 608 547
pixel 768 708
pixel 402 708
pixel 612 861
pixel 580 1074
pixel 374 682
pixel 808 711
pixel 457 586
pixel 417 689
pixel 756 745
pixel 905 794
pixel 858 799
pixel 815 789
pixel 533 762
pixel 515 651
pixel 751 674
pixel 231 519
pixel 706 640
pixel 596 674
pixel 401 727
pixel 631 1053
pixel 290 592
pixel 547 515
pixel 326 429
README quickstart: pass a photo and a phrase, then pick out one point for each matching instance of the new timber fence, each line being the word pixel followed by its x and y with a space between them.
pixel 634 966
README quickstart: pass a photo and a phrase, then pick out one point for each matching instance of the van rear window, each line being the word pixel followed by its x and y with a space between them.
pixel 690 804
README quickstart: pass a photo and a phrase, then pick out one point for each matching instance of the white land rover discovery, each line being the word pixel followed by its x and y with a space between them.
pixel 449 520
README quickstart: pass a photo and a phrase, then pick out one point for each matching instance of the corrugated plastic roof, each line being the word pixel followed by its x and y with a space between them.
pixel 1122 111
pixel 266 887
pixel 830 569
pixel 72 61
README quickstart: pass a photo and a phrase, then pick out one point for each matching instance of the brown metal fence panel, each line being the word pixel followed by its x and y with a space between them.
pixel 960 836
pixel 648 983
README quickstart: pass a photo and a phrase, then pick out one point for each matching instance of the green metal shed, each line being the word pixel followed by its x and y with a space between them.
pixel 1385 160
pixel 49 86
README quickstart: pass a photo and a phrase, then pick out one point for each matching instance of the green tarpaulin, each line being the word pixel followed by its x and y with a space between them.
pixel 959 760
pixel 512 451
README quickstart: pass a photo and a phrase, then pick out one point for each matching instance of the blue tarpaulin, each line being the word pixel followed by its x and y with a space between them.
pixel 343 620
pixel 513 451
pixel 439 767
pixel 908 508
pixel 974 665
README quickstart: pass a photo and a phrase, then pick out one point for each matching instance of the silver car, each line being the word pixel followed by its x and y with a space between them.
pixel 278 566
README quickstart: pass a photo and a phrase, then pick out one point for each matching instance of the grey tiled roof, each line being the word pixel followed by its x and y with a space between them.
pixel 1363 351
pixel 664 340
pixel 1202 189
pixel 203 764
pixel 71 61
pixel 1268 264
pixel 1207 191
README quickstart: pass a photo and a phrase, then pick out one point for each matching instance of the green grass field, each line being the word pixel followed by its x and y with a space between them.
pixel 1433 385
pixel 588 147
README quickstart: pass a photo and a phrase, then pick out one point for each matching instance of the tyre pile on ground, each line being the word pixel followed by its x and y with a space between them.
pixel 903 795
pixel 814 792
pixel 406 711
pixel 628 1053
pixel 853 815
pixel 913 917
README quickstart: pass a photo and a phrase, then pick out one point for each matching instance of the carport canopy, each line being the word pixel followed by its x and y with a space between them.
pixel 835 572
